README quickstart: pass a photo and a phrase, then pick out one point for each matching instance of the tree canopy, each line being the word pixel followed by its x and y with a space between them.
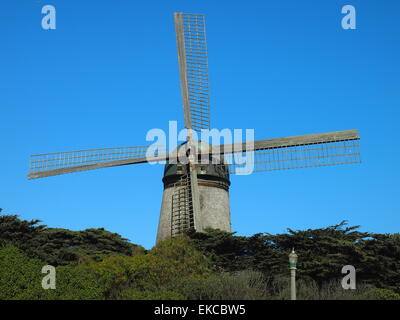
pixel 322 253
pixel 98 264
pixel 61 246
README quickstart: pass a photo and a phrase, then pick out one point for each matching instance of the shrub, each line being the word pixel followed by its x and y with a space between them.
pixel 308 289
pixel 171 260
pixel 159 294
pixel 21 279
pixel 244 285
pixel 382 294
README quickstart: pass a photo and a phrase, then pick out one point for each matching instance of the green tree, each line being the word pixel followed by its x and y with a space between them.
pixel 21 279
pixel 126 276
pixel 61 246
pixel 322 253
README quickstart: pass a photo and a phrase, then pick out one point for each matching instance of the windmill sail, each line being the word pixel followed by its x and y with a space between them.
pixel 314 150
pixel 193 68
pixel 305 156
pixel 51 164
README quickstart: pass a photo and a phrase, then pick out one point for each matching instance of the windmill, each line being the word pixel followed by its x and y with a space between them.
pixel 195 188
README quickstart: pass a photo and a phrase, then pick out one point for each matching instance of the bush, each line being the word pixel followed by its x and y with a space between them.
pixel 308 289
pixel 126 276
pixel 75 284
pixel 244 285
pixel 382 294
pixel 160 294
pixel 21 279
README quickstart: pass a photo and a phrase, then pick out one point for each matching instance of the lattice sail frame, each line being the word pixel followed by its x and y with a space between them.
pixel 323 149
pixel 50 164
pixel 193 68
pixel 312 150
pixel 293 157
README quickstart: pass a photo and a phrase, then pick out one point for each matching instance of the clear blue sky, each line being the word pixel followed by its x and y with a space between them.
pixel 109 73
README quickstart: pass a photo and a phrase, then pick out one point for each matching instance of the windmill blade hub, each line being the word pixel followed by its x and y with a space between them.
pixel 212 170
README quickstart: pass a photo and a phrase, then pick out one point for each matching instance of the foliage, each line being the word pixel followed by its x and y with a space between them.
pixel 322 253
pixel 244 285
pixel 60 246
pixel 227 252
pixel 311 290
pixel 126 276
pixel 98 264
pixel 76 284
pixel 382 294
pixel 159 294
pixel 21 278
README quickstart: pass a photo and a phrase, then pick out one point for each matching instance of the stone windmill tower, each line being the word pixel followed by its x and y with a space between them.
pixel 196 176
pixel 213 196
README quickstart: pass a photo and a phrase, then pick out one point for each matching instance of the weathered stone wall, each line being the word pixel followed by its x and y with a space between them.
pixel 214 208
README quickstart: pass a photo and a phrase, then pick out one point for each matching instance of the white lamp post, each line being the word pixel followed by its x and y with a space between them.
pixel 293 262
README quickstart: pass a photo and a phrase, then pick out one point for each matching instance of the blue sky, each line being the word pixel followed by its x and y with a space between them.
pixel 109 73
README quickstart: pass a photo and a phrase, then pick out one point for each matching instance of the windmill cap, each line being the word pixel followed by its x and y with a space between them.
pixel 206 172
